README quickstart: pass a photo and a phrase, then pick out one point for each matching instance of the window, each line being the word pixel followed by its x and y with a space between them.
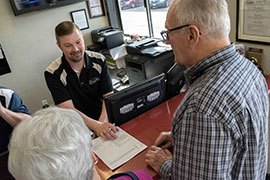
pixel 142 17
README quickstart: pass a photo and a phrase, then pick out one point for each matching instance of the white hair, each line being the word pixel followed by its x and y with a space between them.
pixel 211 15
pixel 53 144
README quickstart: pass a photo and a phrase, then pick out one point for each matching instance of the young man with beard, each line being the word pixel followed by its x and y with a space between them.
pixel 79 80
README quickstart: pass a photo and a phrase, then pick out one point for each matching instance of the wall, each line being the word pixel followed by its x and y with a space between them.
pixel 266 48
pixel 29 45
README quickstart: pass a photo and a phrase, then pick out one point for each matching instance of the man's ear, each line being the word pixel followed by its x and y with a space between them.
pixel 193 35
pixel 58 44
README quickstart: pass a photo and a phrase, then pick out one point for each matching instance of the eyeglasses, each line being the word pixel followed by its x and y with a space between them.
pixel 165 34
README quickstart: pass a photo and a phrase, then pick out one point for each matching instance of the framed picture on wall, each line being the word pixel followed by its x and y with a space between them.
pixel 79 17
pixel 253 21
pixel 95 8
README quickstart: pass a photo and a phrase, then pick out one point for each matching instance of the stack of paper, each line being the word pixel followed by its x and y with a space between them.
pixel 116 152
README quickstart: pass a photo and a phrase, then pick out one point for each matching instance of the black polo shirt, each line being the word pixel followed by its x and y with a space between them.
pixel 87 91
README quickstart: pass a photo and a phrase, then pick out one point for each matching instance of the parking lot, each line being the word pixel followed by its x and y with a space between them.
pixel 134 20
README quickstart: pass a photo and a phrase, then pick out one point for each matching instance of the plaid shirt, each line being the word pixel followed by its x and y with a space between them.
pixel 220 128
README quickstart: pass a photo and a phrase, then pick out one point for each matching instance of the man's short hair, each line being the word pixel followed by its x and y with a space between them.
pixel 65 28
pixel 212 15
pixel 53 144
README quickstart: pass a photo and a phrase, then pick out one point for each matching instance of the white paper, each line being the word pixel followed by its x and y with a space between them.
pixel 118 52
pixel 80 19
pixel 117 152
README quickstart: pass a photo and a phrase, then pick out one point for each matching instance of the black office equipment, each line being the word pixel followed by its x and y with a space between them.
pixel 175 80
pixel 148 46
pixel 137 47
pixel 133 101
pixel 107 37
pixel 25 6
pixel 141 67
pixel 4 67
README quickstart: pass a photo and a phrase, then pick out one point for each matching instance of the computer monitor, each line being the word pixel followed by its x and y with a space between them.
pixel 136 99
pixel 25 6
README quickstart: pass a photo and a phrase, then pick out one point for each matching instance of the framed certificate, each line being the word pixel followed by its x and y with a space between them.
pixel 79 17
pixel 95 8
pixel 253 21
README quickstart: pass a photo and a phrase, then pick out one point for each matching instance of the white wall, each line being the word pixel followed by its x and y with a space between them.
pixel 29 45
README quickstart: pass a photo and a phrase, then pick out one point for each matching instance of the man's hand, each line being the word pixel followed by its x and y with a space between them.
pixel 164 140
pixel 156 156
pixel 105 130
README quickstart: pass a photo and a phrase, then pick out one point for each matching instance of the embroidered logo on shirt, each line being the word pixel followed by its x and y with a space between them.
pixel 93 80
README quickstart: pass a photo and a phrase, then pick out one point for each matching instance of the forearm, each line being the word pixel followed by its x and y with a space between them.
pixel 103 116
pixel 12 118
pixel 103 129
pixel 90 123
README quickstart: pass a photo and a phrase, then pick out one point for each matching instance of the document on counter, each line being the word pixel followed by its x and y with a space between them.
pixel 116 152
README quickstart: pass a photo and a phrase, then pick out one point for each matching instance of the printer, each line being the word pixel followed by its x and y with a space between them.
pixel 138 47
pixel 107 37
pixel 148 46
pixel 146 59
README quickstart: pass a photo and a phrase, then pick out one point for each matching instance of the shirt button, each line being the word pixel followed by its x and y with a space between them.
pixel 82 83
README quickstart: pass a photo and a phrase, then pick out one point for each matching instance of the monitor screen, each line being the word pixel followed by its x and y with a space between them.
pixel 135 100
pixel 25 6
